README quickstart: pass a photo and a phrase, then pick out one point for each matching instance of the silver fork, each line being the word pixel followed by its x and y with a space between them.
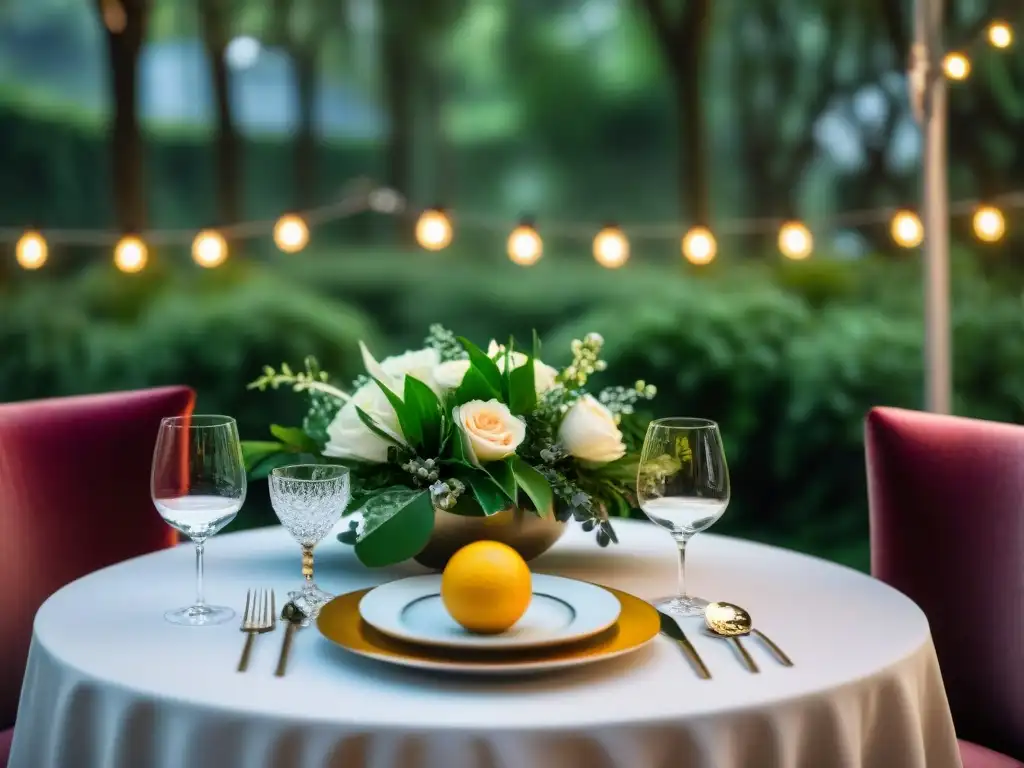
pixel 260 616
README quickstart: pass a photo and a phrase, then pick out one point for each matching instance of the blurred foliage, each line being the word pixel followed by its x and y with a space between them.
pixel 788 374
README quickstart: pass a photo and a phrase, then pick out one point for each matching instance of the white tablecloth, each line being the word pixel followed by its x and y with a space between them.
pixel 110 684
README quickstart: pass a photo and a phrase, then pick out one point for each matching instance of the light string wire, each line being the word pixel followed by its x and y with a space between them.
pixel 382 200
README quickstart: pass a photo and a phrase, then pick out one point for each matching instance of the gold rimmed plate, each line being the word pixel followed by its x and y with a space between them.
pixel 339 621
pixel 561 611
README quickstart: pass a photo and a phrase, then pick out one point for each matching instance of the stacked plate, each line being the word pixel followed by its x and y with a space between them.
pixel 568 623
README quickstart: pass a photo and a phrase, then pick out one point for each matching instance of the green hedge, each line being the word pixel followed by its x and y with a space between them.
pixel 787 373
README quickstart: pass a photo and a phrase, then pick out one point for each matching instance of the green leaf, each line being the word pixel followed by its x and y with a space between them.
pixel 482 363
pixel 535 485
pixel 522 398
pixel 475 386
pixel 460 452
pixel 506 375
pixel 536 345
pixel 295 438
pixel 408 417
pixel 255 451
pixel 375 428
pixel 488 493
pixel 421 399
pixel 623 470
pixel 398 526
pixel 501 473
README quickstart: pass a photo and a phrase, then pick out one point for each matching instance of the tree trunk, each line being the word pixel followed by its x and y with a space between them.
pixel 398 81
pixel 443 166
pixel 214 21
pixel 127 153
pixel 305 138
pixel 694 167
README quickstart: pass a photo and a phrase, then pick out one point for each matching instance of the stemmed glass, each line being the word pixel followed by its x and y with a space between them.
pixel 198 485
pixel 683 485
pixel 309 500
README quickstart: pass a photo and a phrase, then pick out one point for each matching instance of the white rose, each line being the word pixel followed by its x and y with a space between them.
pixel 543 374
pixel 349 438
pixel 450 374
pixel 589 432
pixel 489 430
pixel 419 364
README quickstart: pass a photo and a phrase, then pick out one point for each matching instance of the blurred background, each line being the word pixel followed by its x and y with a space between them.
pixel 129 116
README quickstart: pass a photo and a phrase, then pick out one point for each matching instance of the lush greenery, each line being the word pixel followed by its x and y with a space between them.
pixel 455 428
pixel 787 362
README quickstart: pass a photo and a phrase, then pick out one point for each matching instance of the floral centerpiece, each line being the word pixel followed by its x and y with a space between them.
pixel 454 429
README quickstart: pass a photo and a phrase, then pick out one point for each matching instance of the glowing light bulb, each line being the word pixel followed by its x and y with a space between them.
pixel 433 230
pixel 956 66
pixel 525 246
pixel 1000 34
pixel 795 240
pixel 209 249
pixel 699 246
pixel 907 230
pixel 31 250
pixel 291 233
pixel 384 200
pixel 611 248
pixel 130 254
pixel 989 224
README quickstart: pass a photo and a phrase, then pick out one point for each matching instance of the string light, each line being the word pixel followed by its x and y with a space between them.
pixel 130 254
pixel 291 233
pixel 524 245
pixel 989 224
pixel 907 230
pixel 209 249
pixel 31 250
pixel 699 246
pixel 433 230
pixel 795 240
pixel 611 248
pixel 1000 34
pixel 956 66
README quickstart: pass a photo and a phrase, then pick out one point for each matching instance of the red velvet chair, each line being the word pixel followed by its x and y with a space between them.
pixel 947 529
pixel 74 497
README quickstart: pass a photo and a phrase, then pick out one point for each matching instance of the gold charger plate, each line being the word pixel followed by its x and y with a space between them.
pixel 339 621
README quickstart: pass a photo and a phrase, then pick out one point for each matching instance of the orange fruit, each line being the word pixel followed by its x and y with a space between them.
pixel 486 587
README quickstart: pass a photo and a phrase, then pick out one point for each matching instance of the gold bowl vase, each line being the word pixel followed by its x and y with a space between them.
pixel 527 533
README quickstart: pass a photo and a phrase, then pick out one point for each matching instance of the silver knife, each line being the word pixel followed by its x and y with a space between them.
pixel 671 628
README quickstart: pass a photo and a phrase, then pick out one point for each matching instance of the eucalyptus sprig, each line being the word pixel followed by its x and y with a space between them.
pixel 310 380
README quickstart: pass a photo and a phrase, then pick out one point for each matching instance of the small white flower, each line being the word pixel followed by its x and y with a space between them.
pixel 489 430
pixel 589 432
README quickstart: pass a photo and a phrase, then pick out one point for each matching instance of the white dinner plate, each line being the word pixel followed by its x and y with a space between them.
pixel 561 611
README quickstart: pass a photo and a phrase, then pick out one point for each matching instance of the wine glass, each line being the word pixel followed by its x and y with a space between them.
pixel 683 485
pixel 198 486
pixel 309 500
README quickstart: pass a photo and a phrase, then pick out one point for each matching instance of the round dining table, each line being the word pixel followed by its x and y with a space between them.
pixel 111 684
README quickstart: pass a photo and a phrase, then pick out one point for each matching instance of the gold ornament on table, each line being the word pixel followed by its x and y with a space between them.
pixel 452 444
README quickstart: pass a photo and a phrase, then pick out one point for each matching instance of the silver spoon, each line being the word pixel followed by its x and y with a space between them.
pixel 732 622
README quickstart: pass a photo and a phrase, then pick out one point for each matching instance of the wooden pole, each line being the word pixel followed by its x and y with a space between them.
pixel 929 86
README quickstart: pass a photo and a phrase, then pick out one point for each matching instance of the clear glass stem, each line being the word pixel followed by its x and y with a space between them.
pixel 199 573
pixel 681 543
pixel 307 565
